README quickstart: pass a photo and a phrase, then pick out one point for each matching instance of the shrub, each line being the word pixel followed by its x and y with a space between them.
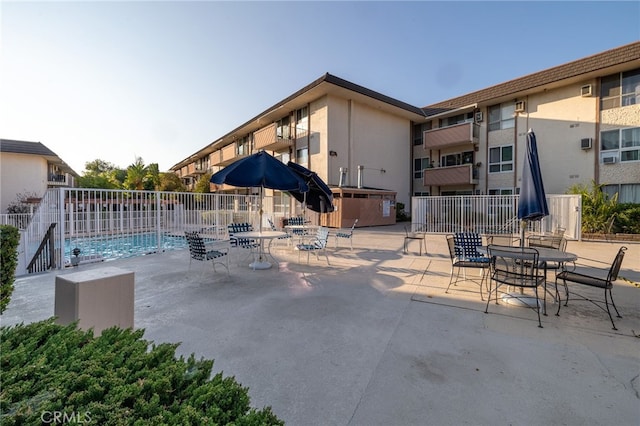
pixel 115 379
pixel 9 240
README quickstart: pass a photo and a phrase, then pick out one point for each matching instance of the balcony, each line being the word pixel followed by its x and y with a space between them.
pixel 465 174
pixel 269 139
pixel 225 156
pixel 57 180
pixel 459 135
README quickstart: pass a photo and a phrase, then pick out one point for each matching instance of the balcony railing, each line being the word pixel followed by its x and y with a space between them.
pixel 57 180
pixel 464 174
pixel 452 136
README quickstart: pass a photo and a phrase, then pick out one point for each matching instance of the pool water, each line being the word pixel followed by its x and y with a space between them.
pixel 105 248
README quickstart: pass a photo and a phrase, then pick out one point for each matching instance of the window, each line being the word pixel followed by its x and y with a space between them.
pixel 302 116
pixel 621 143
pixel 418 130
pixel 502 116
pixel 420 194
pixel 419 164
pixel 457 119
pixel 283 131
pixel 243 146
pixel 627 193
pixel 456 159
pixel 501 191
pixel 302 157
pixel 501 159
pixel 620 89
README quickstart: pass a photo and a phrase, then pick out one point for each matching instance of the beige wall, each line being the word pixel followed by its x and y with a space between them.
pixel 20 173
pixel 361 135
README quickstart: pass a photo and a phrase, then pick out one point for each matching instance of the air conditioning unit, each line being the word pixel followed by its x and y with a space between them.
pixel 520 106
pixel 610 159
pixel 586 91
pixel 479 117
pixel 585 143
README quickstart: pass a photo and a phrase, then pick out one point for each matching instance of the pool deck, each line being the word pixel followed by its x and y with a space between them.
pixel 372 339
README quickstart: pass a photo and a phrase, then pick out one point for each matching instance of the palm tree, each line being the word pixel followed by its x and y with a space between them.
pixel 136 175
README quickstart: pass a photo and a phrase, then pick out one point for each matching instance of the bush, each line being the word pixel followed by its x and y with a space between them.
pixel 115 379
pixel 9 240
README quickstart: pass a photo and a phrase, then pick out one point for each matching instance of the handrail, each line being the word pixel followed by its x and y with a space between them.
pixel 44 258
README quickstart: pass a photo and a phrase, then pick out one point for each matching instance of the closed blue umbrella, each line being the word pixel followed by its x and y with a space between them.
pixel 319 198
pixel 532 204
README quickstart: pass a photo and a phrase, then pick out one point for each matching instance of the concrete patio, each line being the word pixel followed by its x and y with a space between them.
pixel 372 339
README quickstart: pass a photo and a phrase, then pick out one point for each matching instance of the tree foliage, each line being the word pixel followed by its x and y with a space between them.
pixel 9 240
pixel 598 209
pixel 203 185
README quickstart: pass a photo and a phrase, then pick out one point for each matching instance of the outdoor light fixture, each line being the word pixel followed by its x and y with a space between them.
pixel 333 154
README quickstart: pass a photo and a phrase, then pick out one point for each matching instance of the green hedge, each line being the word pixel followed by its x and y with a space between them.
pixel 9 240
pixel 117 378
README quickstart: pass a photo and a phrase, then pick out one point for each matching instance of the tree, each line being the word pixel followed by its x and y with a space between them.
pixel 170 182
pixel 100 174
pixel 203 185
pixel 136 175
pixel 598 210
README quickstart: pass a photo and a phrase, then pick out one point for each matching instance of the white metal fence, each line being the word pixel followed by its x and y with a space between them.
pixel 105 224
pixel 490 214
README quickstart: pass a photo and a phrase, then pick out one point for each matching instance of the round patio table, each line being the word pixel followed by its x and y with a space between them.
pixel 545 254
pixel 260 259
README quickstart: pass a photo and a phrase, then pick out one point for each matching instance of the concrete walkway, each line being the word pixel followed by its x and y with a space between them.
pixel 372 339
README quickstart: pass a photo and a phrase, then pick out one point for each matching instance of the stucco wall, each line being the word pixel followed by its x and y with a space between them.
pixel 361 135
pixel 21 173
pixel 627 172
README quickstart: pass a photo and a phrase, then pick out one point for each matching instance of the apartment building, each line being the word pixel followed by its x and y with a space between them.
pixel 585 113
pixel 30 168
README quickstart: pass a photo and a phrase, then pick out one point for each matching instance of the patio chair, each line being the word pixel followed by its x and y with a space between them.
pixel 317 244
pixel 286 238
pixel 514 267
pixel 242 243
pixel 346 235
pixel 596 279
pixel 463 254
pixel 199 251
pixel 297 221
pixel 415 233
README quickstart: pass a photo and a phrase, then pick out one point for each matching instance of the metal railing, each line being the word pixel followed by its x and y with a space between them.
pixel 494 214
pixel 18 220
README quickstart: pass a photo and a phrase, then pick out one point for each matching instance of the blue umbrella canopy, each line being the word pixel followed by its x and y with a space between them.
pixel 319 198
pixel 532 204
pixel 260 170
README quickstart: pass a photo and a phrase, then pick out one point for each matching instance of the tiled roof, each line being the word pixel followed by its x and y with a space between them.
pixel 617 56
pixel 24 147
pixel 34 148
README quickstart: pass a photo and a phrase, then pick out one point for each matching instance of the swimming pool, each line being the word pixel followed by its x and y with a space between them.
pixel 117 247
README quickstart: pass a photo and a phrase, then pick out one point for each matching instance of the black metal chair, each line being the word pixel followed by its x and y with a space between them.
pixel 463 254
pixel 198 251
pixel 415 233
pixel 242 243
pixel 514 267
pixel 346 235
pixel 596 280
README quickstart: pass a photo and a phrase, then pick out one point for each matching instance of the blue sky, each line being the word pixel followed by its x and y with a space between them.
pixel 160 80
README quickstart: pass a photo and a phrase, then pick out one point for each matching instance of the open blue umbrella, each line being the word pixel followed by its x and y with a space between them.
pixel 532 204
pixel 260 170
pixel 319 197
